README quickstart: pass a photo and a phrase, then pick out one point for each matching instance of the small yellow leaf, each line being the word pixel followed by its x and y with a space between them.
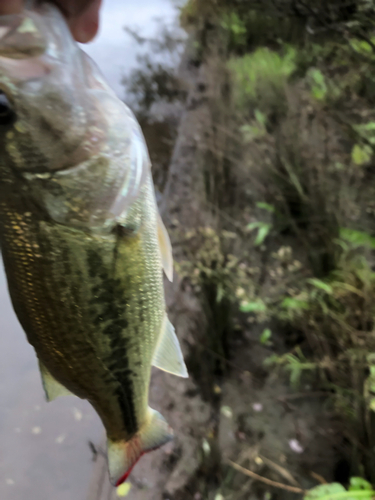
pixel 372 404
pixel 361 154
pixel 123 490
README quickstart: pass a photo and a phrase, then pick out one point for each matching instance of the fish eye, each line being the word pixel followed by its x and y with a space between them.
pixel 7 113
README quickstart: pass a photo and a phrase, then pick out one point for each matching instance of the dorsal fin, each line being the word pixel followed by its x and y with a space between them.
pixel 165 249
pixel 168 355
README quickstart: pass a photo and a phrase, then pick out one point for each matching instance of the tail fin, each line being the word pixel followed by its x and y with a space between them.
pixel 123 455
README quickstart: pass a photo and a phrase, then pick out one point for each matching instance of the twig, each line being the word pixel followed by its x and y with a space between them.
pixel 281 470
pixel 318 477
pixel 252 474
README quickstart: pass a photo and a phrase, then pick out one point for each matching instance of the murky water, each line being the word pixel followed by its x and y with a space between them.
pixel 114 50
pixel 44 451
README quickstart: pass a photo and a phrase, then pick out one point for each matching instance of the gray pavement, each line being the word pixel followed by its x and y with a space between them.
pixel 44 451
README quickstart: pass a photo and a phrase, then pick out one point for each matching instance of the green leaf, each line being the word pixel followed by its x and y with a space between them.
pixel 253 225
pixel 367 126
pixel 318 84
pixel 325 491
pixel 294 179
pixel 320 284
pixel 359 489
pixel 358 484
pixel 263 232
pixel 371 404
pixel 265 337
pixel 260 117
pixel 272 360
pixel 255 306
pixel 361 46
pixel 252 131
pixel 294 303
pixel 361 154
pixel 357 238
pixel 266 206
pixel 295 375
pixel 366 131
pixel 220 293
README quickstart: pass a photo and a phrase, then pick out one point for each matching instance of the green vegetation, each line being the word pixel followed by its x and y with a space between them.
pixel 358 489
pixel 260 78
pixel 286 152
pixel 302 92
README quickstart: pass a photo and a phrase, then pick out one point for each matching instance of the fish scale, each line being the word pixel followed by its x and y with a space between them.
pixel 64 321
pixel 83 244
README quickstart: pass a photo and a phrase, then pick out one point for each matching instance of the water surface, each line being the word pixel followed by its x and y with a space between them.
pixel 114 50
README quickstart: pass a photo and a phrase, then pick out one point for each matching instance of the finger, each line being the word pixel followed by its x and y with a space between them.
pixel 10 7
pixel 84 26
pixel 72 8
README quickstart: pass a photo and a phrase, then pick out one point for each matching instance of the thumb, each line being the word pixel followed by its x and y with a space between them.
pixel 84 26
pixel 10 7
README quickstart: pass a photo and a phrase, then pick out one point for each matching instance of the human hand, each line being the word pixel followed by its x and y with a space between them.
pixel 82 15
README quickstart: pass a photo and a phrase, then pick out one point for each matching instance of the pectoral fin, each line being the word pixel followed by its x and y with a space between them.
pixel 168 355
pixel 52 388
pixel 165 249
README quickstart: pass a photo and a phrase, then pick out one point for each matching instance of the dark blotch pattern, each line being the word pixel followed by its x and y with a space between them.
pixel 108 306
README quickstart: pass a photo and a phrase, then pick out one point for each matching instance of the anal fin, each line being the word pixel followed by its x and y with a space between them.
pixel 52 387
pixel 168 355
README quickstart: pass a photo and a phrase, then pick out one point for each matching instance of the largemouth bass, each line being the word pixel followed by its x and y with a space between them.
pixel 82 241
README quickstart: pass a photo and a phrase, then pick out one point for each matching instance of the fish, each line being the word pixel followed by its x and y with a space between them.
pixel 82 242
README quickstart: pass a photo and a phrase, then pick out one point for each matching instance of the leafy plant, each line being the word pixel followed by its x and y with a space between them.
pixel 366 131
pixel 359 489
pixel 295 364
pixel 256 129
pixel 263 231
pixel 363 47
pixel 321 285
pixel 260 77
pixel 256 306
pixel 302 149
pixel 266 337
pixel 266 206
pixel 318 84
pixel 263 228
pixel 357 238
pixel 236 28
pixel 361 154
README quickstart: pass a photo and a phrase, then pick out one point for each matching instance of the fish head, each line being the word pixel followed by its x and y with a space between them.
pixel 45 110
